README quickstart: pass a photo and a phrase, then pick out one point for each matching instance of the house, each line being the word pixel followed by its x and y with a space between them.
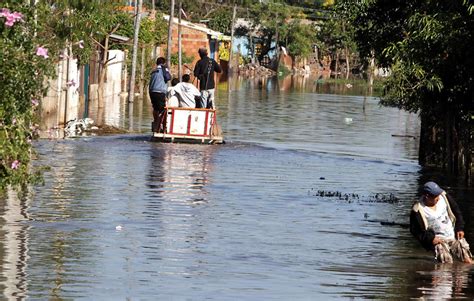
pixel 193 37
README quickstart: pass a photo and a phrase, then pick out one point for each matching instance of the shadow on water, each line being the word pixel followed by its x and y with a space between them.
pixel 289 209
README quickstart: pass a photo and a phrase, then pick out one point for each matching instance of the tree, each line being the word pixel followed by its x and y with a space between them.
pixel 299 39
pixel 268 21
pixel 337 34
pixel 428 46
pixel 221 20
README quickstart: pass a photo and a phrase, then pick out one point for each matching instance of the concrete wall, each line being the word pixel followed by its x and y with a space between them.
pixel 61 103
pixel 113 88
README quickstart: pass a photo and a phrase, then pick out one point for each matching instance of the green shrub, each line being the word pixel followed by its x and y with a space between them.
pixel 26 57
pixel 185 59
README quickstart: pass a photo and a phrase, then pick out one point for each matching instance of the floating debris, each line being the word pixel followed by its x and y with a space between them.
pixel 352 197
pixel 75 126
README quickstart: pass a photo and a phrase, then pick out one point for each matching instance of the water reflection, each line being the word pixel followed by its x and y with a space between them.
pixel 316 122
pixel 180 171
pixel 177 196
pixel 14 244
pixel 444 281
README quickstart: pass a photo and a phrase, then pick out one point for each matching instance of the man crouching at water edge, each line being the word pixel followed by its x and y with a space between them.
pixel 437 223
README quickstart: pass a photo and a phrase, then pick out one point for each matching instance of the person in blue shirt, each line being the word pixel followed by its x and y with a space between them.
pixel 157 90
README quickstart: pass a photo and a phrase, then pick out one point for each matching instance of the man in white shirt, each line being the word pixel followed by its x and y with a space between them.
pixel 187 93
pixel 437 223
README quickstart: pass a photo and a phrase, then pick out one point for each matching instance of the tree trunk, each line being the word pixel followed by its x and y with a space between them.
pixel 346 50
pixel 231 56
pixel 251 44
pixel 103 73
pixel 371 69
pixel 138 12
pixel 142 71
pixel 348 68
pixel 446 142
pixel 277 47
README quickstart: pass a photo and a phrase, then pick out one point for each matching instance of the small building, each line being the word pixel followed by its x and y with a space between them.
pixel 193 37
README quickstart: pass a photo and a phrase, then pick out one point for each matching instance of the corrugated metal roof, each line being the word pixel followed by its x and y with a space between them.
pixel 119 38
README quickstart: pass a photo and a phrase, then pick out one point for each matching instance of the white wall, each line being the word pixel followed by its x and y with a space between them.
pixel 112 100
pixel 62 102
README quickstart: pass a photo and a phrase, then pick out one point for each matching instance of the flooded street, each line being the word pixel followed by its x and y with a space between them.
pixel 288 209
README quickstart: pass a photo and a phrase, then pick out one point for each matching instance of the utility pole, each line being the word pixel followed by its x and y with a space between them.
pixel 180 57
pixel 170 32
pixel 231 65
pixel 138 11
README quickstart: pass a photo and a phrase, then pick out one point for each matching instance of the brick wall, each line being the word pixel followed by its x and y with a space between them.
pixel 191 41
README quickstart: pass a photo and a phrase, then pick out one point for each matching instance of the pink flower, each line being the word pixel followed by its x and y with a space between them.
pixel 14 121
pixel 15 164
pixel 11 18
pixel 17 16
pixel 34 102
pixel 4 12
pixel 41 51
pixel 81 44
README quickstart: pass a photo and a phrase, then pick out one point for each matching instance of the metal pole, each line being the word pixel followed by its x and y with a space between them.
pixel 170 32
pixel 66 96
pixel 180 58
pixel 131 91
pixel 86 91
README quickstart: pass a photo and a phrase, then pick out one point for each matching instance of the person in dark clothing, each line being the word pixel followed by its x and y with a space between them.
pixel 437 223
pixel 204 71
pixel 157 89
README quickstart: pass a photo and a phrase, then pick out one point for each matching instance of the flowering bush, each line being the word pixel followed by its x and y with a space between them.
pixel 32 41
pixel 24 65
